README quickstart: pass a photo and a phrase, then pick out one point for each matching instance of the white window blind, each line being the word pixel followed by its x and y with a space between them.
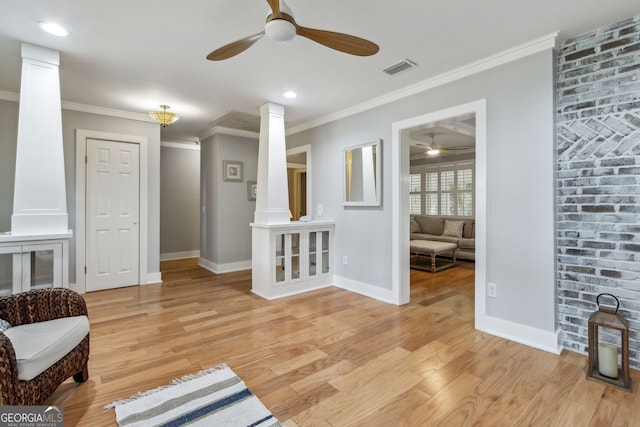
pixel 415 193
pixel 446 189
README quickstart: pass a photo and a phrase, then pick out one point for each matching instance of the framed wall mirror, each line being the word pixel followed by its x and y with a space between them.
pixel 363 174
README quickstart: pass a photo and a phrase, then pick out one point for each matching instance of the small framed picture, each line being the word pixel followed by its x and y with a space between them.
pixel 231 170
pixel 252 190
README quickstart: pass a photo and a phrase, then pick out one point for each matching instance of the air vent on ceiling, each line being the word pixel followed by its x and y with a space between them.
pixel 405 64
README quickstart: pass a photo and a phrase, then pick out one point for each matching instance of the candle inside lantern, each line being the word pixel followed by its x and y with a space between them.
pixel 608 360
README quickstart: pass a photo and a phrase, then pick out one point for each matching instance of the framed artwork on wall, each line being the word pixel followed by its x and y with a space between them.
pixel 231 170
pixel 252 190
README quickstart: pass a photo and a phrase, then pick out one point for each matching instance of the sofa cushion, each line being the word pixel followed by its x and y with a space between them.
pixel 422 236
pixel 430 225
pixel 469 232
pixel 452 228
pixel 40 345
pixel 467 243
pixel 447 239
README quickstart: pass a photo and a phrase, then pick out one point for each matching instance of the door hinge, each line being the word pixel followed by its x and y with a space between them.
pixel 86 158
pixel 85 269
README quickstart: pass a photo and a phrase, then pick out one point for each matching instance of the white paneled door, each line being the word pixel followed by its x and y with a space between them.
pixel 112 212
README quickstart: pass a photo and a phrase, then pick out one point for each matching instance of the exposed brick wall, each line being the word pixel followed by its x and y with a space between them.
pixel 598 195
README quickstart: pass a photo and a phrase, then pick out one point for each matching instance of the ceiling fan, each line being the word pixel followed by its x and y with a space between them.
pixel 432 150
pixel 281 26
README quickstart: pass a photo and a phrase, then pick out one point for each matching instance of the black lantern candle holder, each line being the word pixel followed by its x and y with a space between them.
pixel 603 357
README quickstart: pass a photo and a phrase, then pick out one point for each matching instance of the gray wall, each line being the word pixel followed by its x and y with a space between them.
pixel 72 120
pixel 225 235
pixel 599 179
pixel 8 144
pixel 520 195
pixel 179 200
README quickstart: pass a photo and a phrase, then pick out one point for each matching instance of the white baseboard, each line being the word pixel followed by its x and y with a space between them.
pixel 170 256
pixel 151 279
pixel 76 288
pixel 533 337
pixel 224 268
pixel 289 294
pixel 375 292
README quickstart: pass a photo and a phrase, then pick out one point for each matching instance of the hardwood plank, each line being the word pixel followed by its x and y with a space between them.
pixel 334 358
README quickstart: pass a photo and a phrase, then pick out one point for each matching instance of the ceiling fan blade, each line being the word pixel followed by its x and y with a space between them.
pixel 342 42
pixel 234 48
pixel 275 8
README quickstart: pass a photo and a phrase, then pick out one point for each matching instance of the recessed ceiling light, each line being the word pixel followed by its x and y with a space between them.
pixel 290 94
pixel 55 29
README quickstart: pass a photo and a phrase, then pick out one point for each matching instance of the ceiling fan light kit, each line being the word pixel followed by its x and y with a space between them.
pixel 164 117
pixel 280 30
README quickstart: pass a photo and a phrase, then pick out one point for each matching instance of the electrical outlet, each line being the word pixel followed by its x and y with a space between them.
pixel 492 290
pixel 344 260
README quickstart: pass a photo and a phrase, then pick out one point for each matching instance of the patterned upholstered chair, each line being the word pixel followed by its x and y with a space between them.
pixel 30 308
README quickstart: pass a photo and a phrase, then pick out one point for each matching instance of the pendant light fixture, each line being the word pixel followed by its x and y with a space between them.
pixel 164 117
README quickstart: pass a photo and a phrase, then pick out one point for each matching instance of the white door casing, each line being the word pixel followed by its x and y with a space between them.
pixel 82 136
pixel 113 190
pixel 400 202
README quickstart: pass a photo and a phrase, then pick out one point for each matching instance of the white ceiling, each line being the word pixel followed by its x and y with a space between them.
pixel 133 55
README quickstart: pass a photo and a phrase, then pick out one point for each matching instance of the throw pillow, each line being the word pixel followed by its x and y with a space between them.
pixel 415 228
pixel 453 228
pixel 4 325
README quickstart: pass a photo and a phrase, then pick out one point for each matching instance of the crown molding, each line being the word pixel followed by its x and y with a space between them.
pixel 509 55
pixel 229 131
pixel 182 145
pixel 85 108
pixel 103 111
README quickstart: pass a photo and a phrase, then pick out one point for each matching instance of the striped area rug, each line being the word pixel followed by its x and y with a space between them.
pixel 215 397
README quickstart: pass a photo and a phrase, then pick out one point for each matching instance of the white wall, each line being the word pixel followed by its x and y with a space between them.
pixel 520 170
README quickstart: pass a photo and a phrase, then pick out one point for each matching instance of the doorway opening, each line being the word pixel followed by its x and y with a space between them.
pixel 299 181
pixel 401 136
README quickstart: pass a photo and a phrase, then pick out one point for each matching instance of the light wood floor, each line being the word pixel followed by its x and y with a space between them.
pixel 333 358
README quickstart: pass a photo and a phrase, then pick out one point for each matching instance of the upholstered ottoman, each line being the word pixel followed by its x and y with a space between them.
pixel 431 248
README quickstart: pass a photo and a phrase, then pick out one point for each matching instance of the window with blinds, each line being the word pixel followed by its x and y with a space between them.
pixel 446 190
pixel 415 193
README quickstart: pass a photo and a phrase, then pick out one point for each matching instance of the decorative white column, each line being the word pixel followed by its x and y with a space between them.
pixel 39 224
pixel 287 257
pixel 40 202
pixel 272 199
